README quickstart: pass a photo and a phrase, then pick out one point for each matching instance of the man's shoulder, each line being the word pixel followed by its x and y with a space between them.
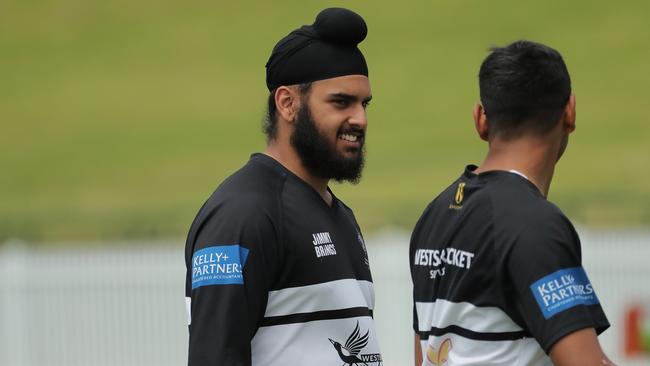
pixel 250 192
pixel 514 199
pixel 519 210
pixel 449 198
pixel 504 199
pixel 246 200
pixel 255 182
pixel 440 211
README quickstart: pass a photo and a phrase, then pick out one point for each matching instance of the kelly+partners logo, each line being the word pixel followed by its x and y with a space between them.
pixel 562 290
pixel 218 265
pixel 350 352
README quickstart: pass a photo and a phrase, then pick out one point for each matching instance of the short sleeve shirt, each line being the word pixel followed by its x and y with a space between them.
pixel 497 274
pixel 275 276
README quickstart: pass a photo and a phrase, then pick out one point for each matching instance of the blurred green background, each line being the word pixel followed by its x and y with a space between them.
pixel 119 118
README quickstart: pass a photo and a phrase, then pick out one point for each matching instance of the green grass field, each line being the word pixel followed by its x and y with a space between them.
pixel 119 118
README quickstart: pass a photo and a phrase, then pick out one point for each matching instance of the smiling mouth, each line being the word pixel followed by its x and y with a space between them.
pixel 349 137
pixel 352 135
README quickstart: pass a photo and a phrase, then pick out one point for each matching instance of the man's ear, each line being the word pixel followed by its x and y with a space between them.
pixel 569 115
pixel 481 122
pixel 287 102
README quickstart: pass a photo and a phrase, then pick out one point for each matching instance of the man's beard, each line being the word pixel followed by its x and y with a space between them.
pixel 319 155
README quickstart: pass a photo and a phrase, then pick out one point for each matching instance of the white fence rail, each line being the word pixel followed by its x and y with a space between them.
pixel 124 304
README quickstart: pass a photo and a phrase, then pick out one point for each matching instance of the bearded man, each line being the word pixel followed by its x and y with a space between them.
pixel 277 269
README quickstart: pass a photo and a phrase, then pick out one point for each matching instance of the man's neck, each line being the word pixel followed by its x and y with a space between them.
pixel 532 157
pixel 288 157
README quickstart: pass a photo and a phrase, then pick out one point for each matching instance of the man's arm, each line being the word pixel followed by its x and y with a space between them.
pixel 230 264
pixel 579 348
pixel 543 261
pixel 418 351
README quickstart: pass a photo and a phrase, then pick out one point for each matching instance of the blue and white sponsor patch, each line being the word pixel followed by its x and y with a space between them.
pixel 562 290
pixel 218 265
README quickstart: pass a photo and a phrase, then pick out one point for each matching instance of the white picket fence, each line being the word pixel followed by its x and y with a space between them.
pixel 123 304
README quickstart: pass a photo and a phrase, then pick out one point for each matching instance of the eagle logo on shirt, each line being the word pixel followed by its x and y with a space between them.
pixel 441 356
pixel 350 352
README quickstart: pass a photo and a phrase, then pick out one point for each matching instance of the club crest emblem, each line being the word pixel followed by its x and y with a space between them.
pixel 460 193
pixel 350 352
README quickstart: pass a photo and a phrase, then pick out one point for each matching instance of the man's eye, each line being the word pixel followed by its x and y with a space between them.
pixel 366 104
pixel 341 103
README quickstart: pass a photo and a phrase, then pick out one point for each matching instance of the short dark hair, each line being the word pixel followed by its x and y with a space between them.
pixel 524 87
pixel 269 126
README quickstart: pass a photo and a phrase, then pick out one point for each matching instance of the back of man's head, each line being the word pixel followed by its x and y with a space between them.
pixel 524 88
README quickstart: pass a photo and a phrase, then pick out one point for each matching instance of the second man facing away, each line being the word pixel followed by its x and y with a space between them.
pixel 496 268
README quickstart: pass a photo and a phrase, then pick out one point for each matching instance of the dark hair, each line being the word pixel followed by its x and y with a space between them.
pixel 269 126
pixel 524 87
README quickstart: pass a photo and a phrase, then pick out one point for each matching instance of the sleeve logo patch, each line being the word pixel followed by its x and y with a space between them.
pixel 562 290
pixel 218 265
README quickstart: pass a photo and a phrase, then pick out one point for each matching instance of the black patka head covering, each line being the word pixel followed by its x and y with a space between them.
pixel 323 50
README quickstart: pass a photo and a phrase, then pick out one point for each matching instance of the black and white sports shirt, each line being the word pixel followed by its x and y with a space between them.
pixel 275 276
pixel 497 274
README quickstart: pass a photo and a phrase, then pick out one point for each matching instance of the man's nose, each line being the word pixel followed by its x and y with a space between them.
pixel 359 118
